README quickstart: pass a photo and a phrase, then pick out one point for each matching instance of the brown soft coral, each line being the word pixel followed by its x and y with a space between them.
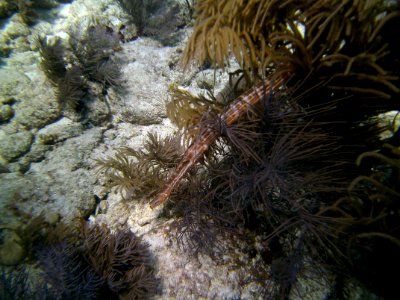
pixel 140 173
pixel 122 260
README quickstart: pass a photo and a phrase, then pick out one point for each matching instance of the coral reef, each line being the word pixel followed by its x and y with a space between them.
pixel 301 187
pixel 7 8
pixel 280 170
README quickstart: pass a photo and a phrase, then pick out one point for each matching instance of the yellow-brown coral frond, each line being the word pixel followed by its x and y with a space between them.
pixel 186 110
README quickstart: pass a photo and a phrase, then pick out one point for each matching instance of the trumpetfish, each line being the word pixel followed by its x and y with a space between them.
pixel 207 137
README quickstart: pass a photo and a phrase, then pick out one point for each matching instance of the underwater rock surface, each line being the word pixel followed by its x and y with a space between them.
pixel 13 145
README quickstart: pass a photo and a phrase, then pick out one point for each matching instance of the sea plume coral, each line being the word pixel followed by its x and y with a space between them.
pixel 139 173
pixel 122 260
pixel 52 61
pixel 68 274
pixel 98 264
pixel 83 67
pixel 370 238
pixel 94 44
pixel 15 285
pixel 298 37
pixel 72 89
